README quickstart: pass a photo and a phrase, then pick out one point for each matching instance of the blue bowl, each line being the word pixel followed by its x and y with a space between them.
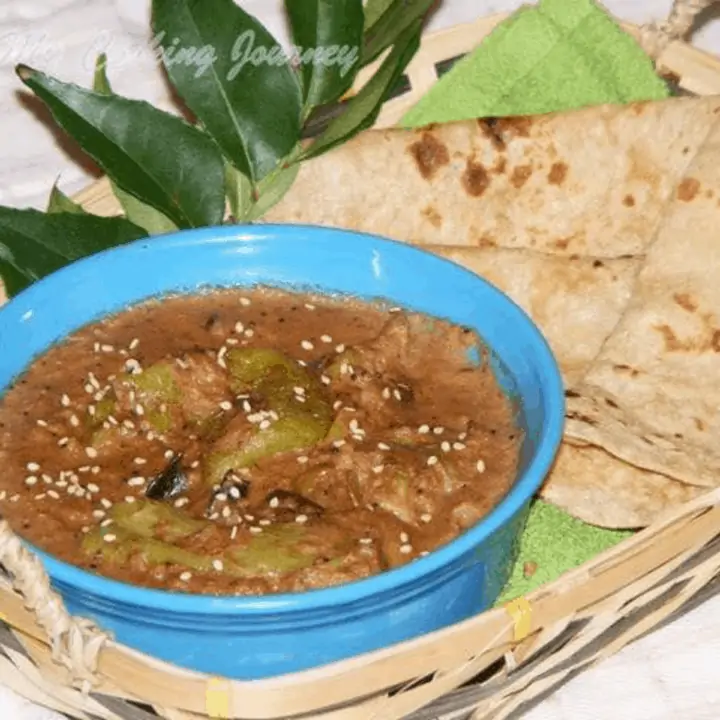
pixel 257 637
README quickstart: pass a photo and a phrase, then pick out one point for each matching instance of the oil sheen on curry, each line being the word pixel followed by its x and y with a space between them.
pixel 254 442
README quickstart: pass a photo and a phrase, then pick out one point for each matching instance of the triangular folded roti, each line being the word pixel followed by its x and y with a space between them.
pixel 592 182
pixel 652 397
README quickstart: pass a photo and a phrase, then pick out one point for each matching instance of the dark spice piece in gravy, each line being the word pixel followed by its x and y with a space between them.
pixel 251 443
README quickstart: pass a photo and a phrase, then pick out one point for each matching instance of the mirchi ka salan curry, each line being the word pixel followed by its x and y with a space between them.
pixel 254 442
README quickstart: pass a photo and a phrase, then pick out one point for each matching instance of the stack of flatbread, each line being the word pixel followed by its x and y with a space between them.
pixel 604 225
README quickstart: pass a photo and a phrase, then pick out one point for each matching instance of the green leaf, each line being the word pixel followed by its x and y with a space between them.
pixel 391 26
pixel 151 154
pixel 328 37
pixel 59 202
pixel 374 10
pixel 271 190
pixel 33 244
pixel 362 109
pixel 239 192
pixel 138 212
pixel 234 77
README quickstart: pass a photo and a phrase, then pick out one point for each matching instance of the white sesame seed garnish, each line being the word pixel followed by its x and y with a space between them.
pixel 432 460
pixel 326 339
pixel 133 366
pixel 109 538
pixel 424 553
pixel 217 565
pixel 221 497
pixel 445 446
pixel 233 532
pixel 234 493
pixel 338 443
pixel 255 530
pixel 136 481
pixel 302 459
pixel 354 425
pixel 32 466
pixel 249 518
pixel 378 469
pixel 340 348
pixel 247 407
pixel 245 301
pixel 274 502
pixel 53 494
pixel 91 452
pixel 406 549
pixel 426 517
pixel 96 347
pixel 424 429
pixel 438 430
pixel 107 348
pixel 249 333
pixel 231 341
pixel 366 541
pixel 480 466
pixel 264 424
pixel 386 393
pixel 65 401
pixel 337 404
pixel 301 519
pixel 107 504
pixel 31 480
pixel 264 522
pixel 194 464
pixel 186 576
pixel 226 405
pixel 306 345
pixel 397 395
pixel 404 537
pixel 168 454
pixel 93 488
pixel 325 380
pixel 181 502
pixel 107 522
pixel 47 479
pixel 130 499
pixel 3 495
pixel 99 514
pixel 41 423
pixel 459 446
pixel 133 344
pixel 299 390
pixel 129 424
pixel 15 498
pixel 239 328
pixel 462 436
pixel 139 410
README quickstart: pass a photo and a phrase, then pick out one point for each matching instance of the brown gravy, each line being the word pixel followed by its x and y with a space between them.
pixel 286 441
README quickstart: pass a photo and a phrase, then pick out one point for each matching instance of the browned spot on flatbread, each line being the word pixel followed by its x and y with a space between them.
pixel 562 243
pixel 486 241
pixel 475 180
pixel 715 341
pixel 433 216
pixel 688 189
pixel 633 372
pixel 629 201
pixel 558 173
pixel 685 301
pixel 488 127
pixel 429 155
pixel 699 424
pixel 611 403
pixel 598 263
pixel 709 194
pixel 671 340
pixel 514 126
pixel 500 165
pixel 520 175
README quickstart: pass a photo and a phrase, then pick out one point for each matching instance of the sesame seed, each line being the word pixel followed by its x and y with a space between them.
pixel 106 523
pixel 426 518
pixel 93 488
pixel 54 495
pixel 264 424
pixel 129 424
pixel 239 328
pixel 274 502
pixel 47 479
pixel 129 499
pixel 404 537
pixel 168 454
pixel 91 452
pixel 249 333
pixel 255 530
pixel 406 549
pixel 246 406
pixel 264 522
pixel 325 380
pixel 84 469
pixel 107 348
pixel 32 466
pixel 41 496
pixel 245 301
pixel 214 516
pixel 231 341
pixel 221 497
pixel 326 339
pixel 31 480
pixel 139 410
pixel 234 493
pixel 438 430
pixel 139 461
pixel 96 347
pixel 462 436
pixel 217 565
pixel 397 395
pixel 338 443
pixel 41 423
pixel 306 345
pixel 459 446
pixel 133 344
pixel 3 494
pixel 302 459
pixel 132 366
pixel 366 541
pixel 301 519
pixel 340 348
pixel 61 483
pixel 354 425
pixel 109 538
pixel 424 553
pixel 194 464
pixel 378 469
pixel 386 393
pixel 181 502
pixel 249 518
pixel 99 514
pixel 136 481
pixel 186 576
pixel 337 404
pixel 309 306
pixel 445 446
pixel 432 460
pixel 226 405
pixel 299 390
pixel 424 429
pixel 65 401
pixel 233 532
pixel 480 466
pixel 74 420
pixel 107 504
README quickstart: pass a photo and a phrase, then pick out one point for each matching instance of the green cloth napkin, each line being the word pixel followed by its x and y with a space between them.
pixel 558 55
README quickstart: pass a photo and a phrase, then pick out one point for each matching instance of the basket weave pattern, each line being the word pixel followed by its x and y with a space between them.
pixel 501 661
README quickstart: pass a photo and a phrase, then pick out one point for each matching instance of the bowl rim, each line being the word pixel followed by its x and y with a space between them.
pixel 116 593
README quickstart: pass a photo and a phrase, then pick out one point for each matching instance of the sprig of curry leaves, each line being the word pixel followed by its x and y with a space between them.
pixel 251 107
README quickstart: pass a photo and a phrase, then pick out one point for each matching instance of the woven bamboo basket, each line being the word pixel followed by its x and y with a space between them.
pixel 495 665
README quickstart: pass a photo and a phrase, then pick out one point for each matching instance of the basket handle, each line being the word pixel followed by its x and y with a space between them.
pixel 656 36
pixel 75 642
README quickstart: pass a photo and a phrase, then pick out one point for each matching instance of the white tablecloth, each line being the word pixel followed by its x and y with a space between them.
pixel 672 674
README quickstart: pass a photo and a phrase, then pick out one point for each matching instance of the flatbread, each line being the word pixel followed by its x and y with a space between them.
pixel 652 396
pixel 601 490
pixel 592 182
pixel 576 302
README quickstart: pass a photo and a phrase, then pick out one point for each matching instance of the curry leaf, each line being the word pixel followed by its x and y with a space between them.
pixel 33 244
pixel 239 192
pixel 59 202
pixel 234 77
pixel 391 26
pixel 136 211
pixel 155 156
pixel 328 38
pixel 374 10
pixel 271 190
pixel 362 109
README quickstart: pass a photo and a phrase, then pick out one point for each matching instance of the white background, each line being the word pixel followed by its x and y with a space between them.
pixel 674 673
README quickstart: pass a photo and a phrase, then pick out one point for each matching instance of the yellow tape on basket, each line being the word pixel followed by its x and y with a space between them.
pixel 521 614
pixel 217 699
